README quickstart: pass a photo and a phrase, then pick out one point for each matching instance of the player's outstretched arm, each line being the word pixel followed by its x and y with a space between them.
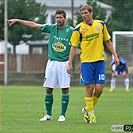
pixel 24 22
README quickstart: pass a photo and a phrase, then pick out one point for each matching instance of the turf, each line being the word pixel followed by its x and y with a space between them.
pixel 23 106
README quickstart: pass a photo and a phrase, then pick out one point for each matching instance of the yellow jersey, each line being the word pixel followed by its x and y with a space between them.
pixel 91 39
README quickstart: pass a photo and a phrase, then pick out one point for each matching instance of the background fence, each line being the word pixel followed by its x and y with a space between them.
pixel 30 70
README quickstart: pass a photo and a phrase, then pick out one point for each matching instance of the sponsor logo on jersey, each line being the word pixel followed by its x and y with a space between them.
pixel 59 47
pixel 92 36
pixel 60 38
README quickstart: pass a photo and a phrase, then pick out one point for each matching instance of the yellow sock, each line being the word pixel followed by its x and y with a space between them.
pixel 95 99
pixel 89 104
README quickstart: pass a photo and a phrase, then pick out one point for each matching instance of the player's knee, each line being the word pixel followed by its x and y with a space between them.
pixel 49 90
pixel 125 75
pixel 115 75
pixel 98 92
pixel 65 90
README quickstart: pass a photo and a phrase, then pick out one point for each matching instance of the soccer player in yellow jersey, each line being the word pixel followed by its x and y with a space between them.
pixel 90 34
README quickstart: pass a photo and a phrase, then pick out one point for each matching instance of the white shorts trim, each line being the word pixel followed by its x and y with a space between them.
pixel 56 75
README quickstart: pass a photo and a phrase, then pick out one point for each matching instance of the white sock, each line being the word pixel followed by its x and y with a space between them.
pixel 112 84
pixel 127 83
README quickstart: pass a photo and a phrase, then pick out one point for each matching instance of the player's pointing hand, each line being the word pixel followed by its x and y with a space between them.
pixel 11 21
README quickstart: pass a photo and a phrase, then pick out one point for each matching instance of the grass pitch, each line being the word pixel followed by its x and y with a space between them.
pixel 23 106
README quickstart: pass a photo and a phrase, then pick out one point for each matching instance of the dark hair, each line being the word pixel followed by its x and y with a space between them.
pixel 60 11
pixel 88 7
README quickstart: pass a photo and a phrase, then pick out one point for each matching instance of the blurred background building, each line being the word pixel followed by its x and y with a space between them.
pixel 27 49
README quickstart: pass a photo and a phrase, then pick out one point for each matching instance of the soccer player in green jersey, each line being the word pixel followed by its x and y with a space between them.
pixel 91 34
pixel 56 75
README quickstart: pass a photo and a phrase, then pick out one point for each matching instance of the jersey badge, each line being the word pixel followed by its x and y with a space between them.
pixel 98 27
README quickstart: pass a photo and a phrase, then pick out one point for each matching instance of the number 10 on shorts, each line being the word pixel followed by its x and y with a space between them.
pixel 101 77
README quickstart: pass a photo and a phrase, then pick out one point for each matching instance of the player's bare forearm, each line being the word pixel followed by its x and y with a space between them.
pixel 126 69
pixel 24 22
pixel 112 50
pixel 110 47
pixel 71 56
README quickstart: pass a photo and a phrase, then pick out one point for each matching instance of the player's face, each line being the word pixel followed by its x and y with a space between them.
pixel 60 20
pixel 86 15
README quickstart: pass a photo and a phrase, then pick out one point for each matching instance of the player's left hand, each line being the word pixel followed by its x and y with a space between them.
pixel 69 69
pixel 116 60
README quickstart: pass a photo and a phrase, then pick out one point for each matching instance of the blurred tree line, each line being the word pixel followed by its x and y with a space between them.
pixel 26 10
pixel 121 19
